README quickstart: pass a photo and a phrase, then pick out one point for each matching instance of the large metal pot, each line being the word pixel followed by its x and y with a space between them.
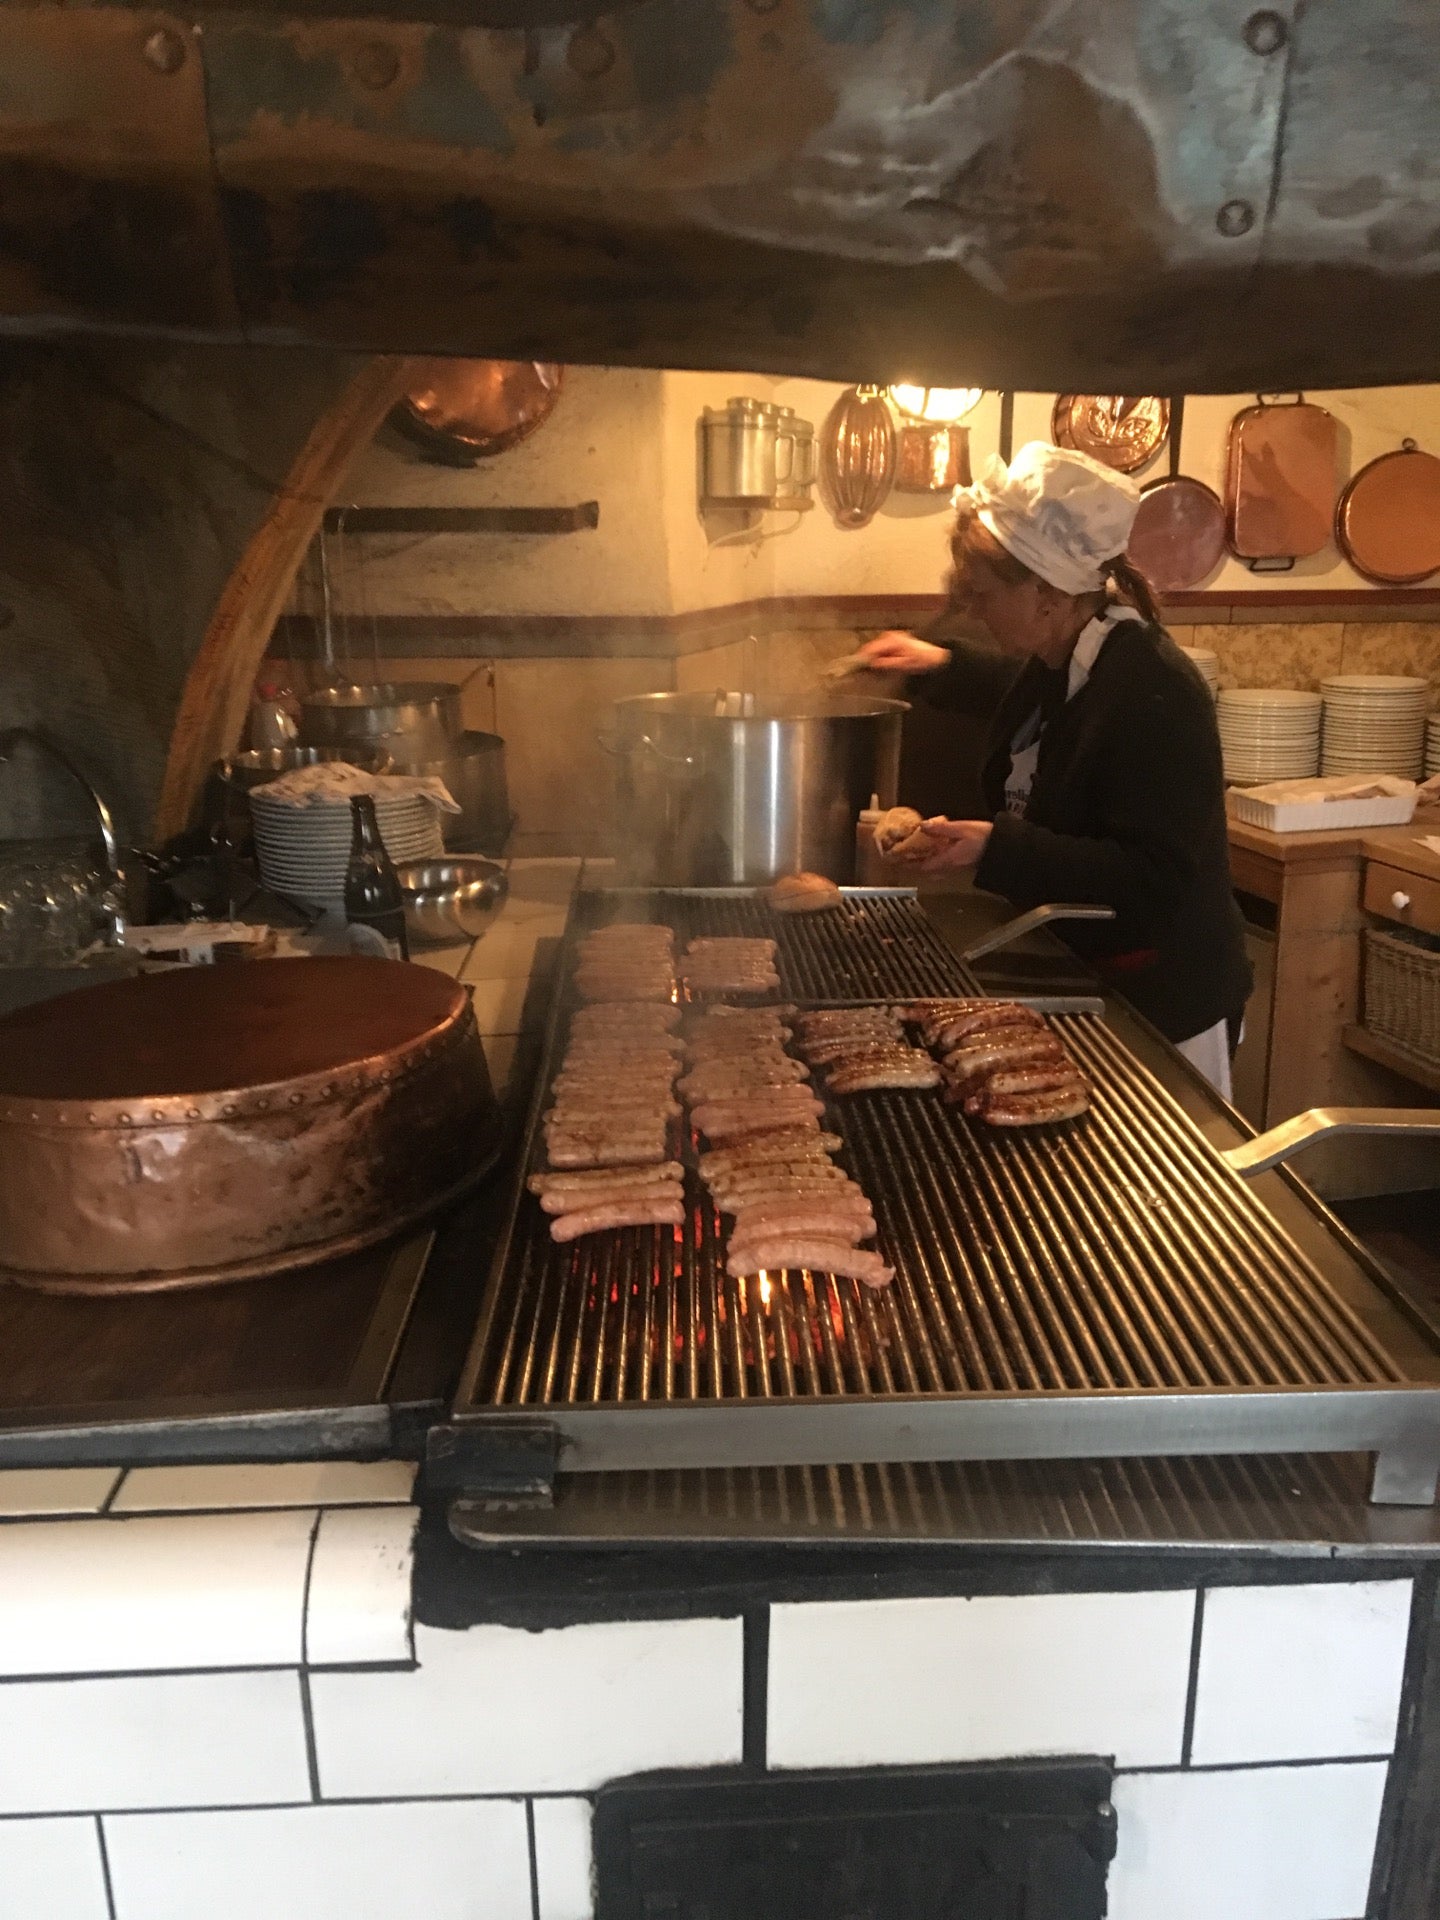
pixel 414 721
pixel 474 772
pixel 707 799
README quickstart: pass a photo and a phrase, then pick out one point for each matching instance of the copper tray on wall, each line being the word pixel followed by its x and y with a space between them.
pixel 225 1123
pixel 1387 524
pixel 1281 476
pixel 465 411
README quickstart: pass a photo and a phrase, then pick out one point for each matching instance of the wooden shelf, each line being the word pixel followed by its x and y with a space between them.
pixel 463 519
pixel 1398 1059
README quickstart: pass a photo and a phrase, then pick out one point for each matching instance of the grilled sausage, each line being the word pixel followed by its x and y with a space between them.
pixel 635 1212
pixel 1038 1109
pixel 810 1251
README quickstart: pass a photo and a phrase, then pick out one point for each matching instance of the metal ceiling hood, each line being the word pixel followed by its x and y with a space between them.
pixel 1093 195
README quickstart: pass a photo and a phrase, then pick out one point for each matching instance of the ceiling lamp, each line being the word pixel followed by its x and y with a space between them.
pixel 932 452
pixel 944 406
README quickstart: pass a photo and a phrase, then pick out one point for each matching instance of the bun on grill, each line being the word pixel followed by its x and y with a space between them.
pixel 803 893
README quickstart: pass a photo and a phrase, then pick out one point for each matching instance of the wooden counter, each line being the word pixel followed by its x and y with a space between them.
pixel 1296 1055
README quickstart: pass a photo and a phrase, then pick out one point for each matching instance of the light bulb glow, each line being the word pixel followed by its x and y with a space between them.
pixel 942 405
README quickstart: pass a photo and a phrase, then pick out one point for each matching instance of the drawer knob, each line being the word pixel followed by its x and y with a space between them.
pixel 1399 901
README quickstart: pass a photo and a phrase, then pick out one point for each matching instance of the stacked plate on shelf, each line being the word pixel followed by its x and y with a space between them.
pixel 1206 664
pixel 304 851
pixel 1268 733
pixel 1432 745
pixel 1375 723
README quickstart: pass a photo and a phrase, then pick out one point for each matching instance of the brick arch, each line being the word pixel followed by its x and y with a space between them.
pixel 216 694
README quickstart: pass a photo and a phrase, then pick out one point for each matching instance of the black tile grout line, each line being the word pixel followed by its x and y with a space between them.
pixel 105 1867
pixel 307 1714
pixel 122 1474
pixel 588 1793
pixel 107 1512
pixel 755 1688
pixel 1192 1685
pixel 534 1859
pixel 197 1673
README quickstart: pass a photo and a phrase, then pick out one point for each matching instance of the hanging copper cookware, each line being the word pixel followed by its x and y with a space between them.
pixel 228 1122
pixel 1388 522
pixel 1178 538
pixel 1120 430
pixel 857 455
pixel 468 410
pixel 1281 476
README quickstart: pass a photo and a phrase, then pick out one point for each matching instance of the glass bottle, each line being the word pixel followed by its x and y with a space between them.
pixel 373 897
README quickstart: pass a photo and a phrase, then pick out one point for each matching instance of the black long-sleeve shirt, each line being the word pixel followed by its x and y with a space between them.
pixel 1127 810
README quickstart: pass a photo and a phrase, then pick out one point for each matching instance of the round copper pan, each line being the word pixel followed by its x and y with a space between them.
pixel 1179 534
pixel 1121 430
pixel 220 1123
pixel 469 410
pixel 1387 524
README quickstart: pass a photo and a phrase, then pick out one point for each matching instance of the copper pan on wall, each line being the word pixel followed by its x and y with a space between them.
pixel 1387 524
pixel 1120 430
pixel 1178 538
pixel 464 411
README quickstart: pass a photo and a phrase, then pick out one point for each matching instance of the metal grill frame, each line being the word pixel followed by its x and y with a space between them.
pixel 514 1449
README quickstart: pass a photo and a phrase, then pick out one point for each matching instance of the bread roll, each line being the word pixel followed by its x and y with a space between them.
pixel 894 827
pixel 803 893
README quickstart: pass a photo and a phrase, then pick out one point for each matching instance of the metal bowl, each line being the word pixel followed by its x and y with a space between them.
pixel 258 766
pixel 454 899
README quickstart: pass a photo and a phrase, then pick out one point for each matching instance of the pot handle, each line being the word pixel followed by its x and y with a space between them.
pixel 610 743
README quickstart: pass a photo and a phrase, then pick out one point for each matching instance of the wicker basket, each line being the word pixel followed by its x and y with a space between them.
pixel 1402 990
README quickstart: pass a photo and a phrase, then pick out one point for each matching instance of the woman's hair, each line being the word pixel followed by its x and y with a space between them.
pixel 973 541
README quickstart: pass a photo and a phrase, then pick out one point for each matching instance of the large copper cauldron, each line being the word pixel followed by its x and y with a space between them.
pixel 219 1123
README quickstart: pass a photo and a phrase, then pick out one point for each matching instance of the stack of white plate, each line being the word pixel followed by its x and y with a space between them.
pixel 1269 733
pixel 1432 745
pixel 304 851
pixel 1375 723
pixel 1206 664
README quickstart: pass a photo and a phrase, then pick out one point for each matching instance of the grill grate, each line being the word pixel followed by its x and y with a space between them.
pixel 876 945
pixel 1117 1253
pixel 1107 1287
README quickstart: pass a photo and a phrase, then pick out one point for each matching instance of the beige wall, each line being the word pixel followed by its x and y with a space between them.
pixel 628 440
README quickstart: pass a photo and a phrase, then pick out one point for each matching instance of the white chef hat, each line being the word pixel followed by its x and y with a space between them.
pixel 1061 513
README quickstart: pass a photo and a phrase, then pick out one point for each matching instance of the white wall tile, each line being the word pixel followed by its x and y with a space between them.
pixel 1299 1673
pixel 1269 1843
pixel 459 1860
pixel 359 1607
pixel 116 1596
pixel 151 1740
pixel 50 1870
pixel 496 1710
pixel 284 1483
pixel 498 1004
pixel 935 1680
pixel 563 1858
pixel 37 1490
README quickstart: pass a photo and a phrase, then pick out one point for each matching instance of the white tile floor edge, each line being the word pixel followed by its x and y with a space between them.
pixel 358 1605
pixel 289 1483
pixel 33 1492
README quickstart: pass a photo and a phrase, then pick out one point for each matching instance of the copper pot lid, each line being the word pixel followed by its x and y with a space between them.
pixel 469 410
pixel 1121 430
pixel 1178 538
pixel 220 1034
pixel 1387 524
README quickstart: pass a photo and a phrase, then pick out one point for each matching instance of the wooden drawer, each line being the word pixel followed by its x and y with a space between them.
pixel 1408 898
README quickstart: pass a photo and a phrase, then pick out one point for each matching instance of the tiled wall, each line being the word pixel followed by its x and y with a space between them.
pixel 213 1700
pixel 1301 653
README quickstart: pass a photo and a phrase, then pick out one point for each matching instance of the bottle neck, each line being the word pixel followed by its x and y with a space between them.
pixel 365 827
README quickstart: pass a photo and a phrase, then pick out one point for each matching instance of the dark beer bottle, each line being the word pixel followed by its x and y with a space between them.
pixel 372 887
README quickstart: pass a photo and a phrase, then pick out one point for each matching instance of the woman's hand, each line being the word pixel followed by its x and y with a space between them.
pixel 945 846
pixel 897 652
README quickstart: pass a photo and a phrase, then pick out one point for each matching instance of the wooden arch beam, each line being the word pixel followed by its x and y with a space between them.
pixel 216 694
